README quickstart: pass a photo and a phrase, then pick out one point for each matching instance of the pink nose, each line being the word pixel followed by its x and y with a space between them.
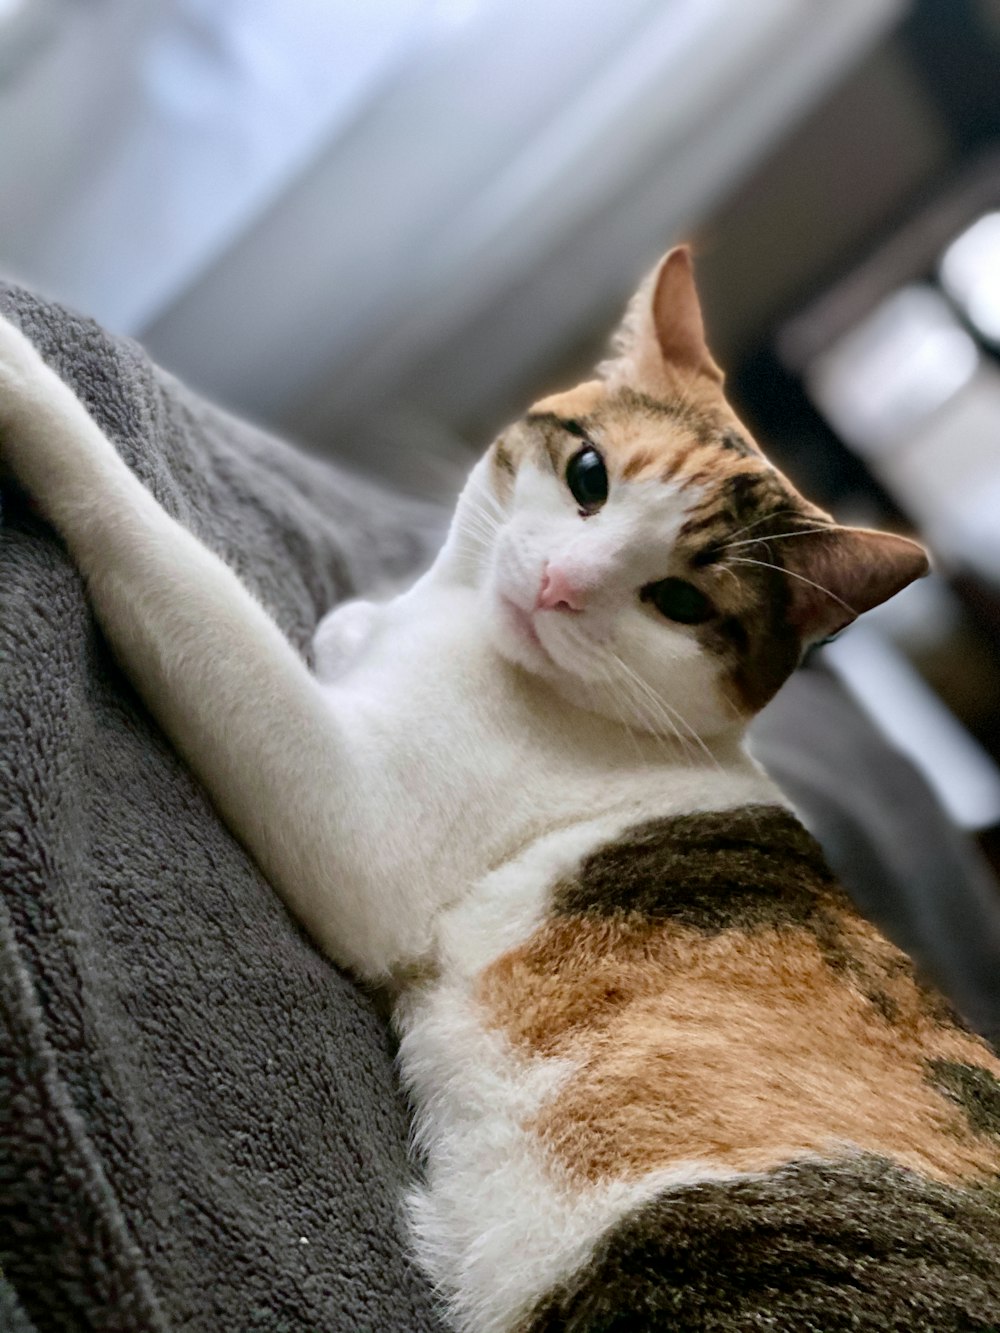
pixel 557 593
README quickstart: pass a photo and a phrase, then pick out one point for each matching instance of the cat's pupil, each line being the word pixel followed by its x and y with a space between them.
pixel 678 600
pixel 587 478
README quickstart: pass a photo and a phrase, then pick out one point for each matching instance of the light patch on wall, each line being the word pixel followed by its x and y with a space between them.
pixel 24 27
pixel 965 778
pixel 893 370
pixel 970 274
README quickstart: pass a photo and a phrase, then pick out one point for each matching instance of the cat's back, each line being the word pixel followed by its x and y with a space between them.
pixel 688 1088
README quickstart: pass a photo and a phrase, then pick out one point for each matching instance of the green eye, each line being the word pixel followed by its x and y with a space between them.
pixel 587 478
pixel 678 600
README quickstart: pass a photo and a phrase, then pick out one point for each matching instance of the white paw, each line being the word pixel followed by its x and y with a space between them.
pixel 18 355
pixel 48 441
pixel 340 637
pixel 25 380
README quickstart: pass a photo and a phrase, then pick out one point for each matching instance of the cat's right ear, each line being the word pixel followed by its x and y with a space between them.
pixel 837 575
pixel 660 346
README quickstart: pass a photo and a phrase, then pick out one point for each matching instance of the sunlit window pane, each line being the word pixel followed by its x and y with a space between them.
pixel 970 273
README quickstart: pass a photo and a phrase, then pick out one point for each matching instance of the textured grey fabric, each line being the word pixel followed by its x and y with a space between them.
pixel 12 1316
pixel 199 1123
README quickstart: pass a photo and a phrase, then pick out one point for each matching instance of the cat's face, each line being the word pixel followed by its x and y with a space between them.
pixel 645 557
pixel 613 569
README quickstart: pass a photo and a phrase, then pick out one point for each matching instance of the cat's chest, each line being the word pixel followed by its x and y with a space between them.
pixel 467 750
pixel 463 762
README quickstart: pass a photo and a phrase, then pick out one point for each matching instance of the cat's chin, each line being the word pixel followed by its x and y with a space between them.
pixel 517 639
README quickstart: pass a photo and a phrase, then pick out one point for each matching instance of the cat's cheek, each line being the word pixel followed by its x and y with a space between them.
pixel 687 679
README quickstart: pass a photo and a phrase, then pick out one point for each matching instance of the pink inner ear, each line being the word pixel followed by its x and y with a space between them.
pixel 660 346
pixel 677 317
pixel 835 577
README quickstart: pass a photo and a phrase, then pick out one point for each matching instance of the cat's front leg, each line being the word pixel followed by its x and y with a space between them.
pixel 35 404
pixel 214 669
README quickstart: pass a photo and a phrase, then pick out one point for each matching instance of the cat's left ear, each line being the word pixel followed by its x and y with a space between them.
pixel 660 345
pixel 836 576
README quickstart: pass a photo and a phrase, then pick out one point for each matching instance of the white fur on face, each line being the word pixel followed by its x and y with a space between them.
pixel 618 656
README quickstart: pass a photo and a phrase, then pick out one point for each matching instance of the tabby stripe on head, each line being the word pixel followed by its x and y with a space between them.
pixel 735 442
pixel 645 460
pixel 701 425
pixel 553 432
pixel 502 458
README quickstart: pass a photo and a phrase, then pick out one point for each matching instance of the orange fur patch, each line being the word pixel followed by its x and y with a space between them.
pixel 580 401
pixel 743 1050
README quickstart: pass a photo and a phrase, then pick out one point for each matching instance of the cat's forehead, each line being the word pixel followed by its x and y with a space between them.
pixel 687 442
pixel 581 400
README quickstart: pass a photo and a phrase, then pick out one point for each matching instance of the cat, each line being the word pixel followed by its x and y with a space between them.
pixel 664 1076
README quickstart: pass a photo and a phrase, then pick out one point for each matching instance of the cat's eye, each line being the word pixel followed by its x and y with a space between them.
pixel 679 600
pixel 587 479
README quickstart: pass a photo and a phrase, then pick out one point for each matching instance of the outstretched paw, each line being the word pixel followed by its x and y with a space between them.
pixel 24 376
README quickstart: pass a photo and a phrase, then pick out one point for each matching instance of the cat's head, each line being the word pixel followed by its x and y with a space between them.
pixel 643 555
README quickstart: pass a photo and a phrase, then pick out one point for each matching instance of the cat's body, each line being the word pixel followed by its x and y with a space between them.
pixel 664 1076
pixel 644 1109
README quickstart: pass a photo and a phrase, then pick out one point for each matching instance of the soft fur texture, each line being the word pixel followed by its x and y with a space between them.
pixel 636 1017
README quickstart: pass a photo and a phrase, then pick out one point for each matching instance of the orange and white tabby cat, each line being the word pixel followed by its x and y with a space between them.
pixel 664 1076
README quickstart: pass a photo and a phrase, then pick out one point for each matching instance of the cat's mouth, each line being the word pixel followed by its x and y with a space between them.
pixel 519 639
pixel 522 622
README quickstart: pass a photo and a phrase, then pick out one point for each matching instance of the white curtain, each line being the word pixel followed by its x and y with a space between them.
pixel 304 205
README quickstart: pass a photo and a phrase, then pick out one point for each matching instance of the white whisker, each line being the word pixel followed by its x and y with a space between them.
pixel 775 537
pixel 613 688
pixel 493 502
pixel 480 525
pixel 745 560
pixel 674 712
pixel 748 527
pixel 668 713
pixel 478 530
pixel 624 681
pixel 732 574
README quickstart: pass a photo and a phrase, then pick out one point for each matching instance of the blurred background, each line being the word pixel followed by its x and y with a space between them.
pixel 383 226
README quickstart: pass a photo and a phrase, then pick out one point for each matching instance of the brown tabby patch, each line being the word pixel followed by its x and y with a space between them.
pixel 819 1247
pixel 725 1005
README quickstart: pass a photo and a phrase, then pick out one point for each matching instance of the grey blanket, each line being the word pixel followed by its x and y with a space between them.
pixel 199 1124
